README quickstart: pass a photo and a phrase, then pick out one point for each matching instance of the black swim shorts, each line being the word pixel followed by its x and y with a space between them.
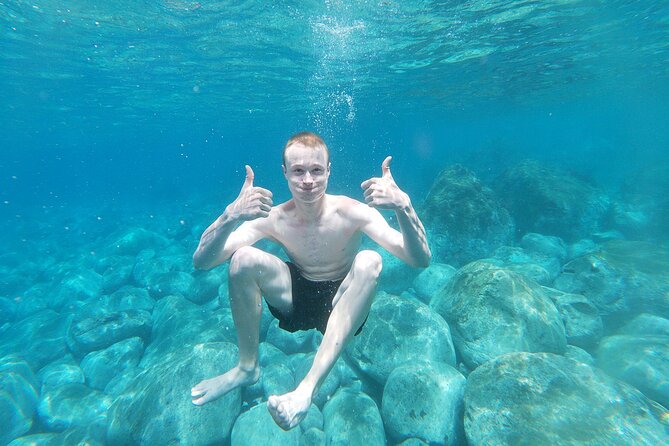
pixel 312 303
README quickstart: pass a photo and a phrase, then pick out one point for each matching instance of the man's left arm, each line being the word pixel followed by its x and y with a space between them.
pixel 410 244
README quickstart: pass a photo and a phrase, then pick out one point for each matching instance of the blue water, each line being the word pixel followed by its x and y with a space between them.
pixel 115 115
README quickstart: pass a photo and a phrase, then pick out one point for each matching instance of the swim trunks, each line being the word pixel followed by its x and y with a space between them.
pixel 312 303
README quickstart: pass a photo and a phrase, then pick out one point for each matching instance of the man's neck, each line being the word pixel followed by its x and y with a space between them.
pixel 310 212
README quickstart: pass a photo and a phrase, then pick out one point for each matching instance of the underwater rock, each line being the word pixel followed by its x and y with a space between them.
pixel 72 405
pixel 313 437
pixel 548 201
pixel 18 398
pixel 7 310
pixel 95 332
pixel 581 248
pixel 62 371
pixel 313 419
pixel 257 428
pixel 646 202
pixel 116 272
pixel 582 323
pixel 547 399
pixel 330 384
pixel 395 275
pixel 393 331
pixel 579 355
pixel 535 266
pixel 73 436
pixel 492 311
pixel 101 366
pixel 544 245
pixel 204 287
pixel 467 220
pixel 431 280
pixel 642 361
pixel 39 339
pixel 287 342
pixel 277 379
pixel 413 442
pixel 424 400
pixel 352 419
pixel 156 407
pixel 128 298
pixel 646 324
pixel 82 284
pixel 134 240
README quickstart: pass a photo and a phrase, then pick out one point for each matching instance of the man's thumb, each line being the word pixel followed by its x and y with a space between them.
pixel 248 182
pixel 385 166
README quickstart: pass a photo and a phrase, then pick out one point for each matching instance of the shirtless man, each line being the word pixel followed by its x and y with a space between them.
pixel 327 284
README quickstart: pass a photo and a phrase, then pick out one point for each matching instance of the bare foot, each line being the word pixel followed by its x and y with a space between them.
pixel 289 409
pixel 210 389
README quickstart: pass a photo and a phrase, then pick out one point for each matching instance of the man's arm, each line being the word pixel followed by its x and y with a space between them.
pixel 410 244
pixel 220 240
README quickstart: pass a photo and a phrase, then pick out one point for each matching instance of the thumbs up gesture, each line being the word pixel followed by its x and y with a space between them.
pixel 252 202
pixel 383 192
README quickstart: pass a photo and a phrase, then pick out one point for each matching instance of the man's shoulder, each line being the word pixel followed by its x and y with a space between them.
pixel 350 207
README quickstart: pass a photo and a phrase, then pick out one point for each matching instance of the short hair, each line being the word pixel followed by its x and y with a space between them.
pixel 307 139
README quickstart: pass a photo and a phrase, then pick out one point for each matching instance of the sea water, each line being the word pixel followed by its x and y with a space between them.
pixel 531 137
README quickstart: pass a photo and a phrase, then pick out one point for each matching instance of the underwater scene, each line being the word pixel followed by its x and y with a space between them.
pixel 506 284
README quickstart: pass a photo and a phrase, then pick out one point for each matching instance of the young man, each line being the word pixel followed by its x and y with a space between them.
pixel 327 284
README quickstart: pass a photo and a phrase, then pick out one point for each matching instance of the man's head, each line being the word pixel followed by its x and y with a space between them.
pixel 306 166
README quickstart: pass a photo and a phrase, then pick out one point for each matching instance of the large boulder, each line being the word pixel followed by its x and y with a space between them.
pixel 101 366
pixel 74 405
pixel 547 399
pixel 18 398
pixel 582 323
pixel 394 328
pixel 492 311
pixel 640 360
pixel 257 428
pixel 431 280
pixel 424 400
pixel 353 419
pixel 468 220
pixel 156 406
pixel 548 201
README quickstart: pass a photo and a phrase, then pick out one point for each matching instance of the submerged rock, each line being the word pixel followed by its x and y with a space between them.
pixel 257 428
pixel 394 330
pixel 353 419
pixel 431 280
pixel 469 221
pixel 73 405
pixel 546 399
pixel 101 366
pixel 18 398
pixel 424 400
pixel 492 311
pixel 582 323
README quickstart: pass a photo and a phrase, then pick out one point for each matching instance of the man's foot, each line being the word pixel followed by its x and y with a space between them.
pixel 289 409
pixel 210 389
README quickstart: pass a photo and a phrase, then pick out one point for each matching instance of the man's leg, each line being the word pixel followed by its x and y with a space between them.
pixel 252 274
pixel 351 306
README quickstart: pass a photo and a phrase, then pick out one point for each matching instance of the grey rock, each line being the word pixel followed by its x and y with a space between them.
pixel 18 398
pixel 646 324
pixel 277 379
pixel 101 366
pixel 74 405
pixel 204 287
pixel 94 332
pixel 82 284
pixel 424 400
pixel 72 436
pixel 413 442
pixel 547 399
pixel 8 310
pixel 257 428
pixel 640 360
pixel 116 272
pixel 582 323
pixel 287 342
pixel 156 407
pixel 431 280
pixel 581 248
pixel 579 355
pixel 537 266
pixel 393 331
pixel 545 245
pixel 134 240
pixel 492 311
pixel 352 419
pixel 329 385
pixel 313 437
pixel 59 372
pixel 128 298
pixel 313 419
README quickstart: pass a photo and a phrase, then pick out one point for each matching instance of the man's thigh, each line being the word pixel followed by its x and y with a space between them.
pixel 271 274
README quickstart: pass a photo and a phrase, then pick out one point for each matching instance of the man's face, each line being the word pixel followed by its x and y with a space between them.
pixel 307 171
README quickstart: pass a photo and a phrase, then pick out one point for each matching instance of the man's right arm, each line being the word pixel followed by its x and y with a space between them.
pixel 220 240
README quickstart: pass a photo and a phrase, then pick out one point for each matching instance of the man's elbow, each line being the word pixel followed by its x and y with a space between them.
pixel 200 263
pixel 424 261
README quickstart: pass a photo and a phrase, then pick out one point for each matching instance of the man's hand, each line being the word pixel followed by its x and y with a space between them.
pixel 383 193
pixel 252 202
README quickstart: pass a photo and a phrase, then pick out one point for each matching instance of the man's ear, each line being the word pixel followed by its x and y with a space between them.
pixel 283 167
pixel 329 165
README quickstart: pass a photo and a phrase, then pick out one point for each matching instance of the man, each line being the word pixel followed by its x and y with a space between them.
pixel 327 284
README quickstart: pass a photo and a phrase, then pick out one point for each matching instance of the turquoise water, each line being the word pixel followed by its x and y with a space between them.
pixel 124 130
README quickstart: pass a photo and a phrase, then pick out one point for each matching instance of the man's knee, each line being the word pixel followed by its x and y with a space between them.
pixel 244 261
pixel 368 263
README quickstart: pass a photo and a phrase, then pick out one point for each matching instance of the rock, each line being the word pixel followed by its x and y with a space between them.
pixel 313 437
pixel 640 360
pixel 547 201
pixel 313 420
pixel 646 324
pixel 95 332
pixel 134 240
pixel 546 399
pixel 8 310
pixel 353 419
pixel 277 379
pixel 257 428
pixel 579 355
pixel 72 436
pixel 128 298
pixel 413 442
pixel 394 330
pixel 581 248
pixel 536 266
pixel 74 405
pixel 38 339
pixel 469 221
pixel 329 385
pixel 582 323
pixel 18 398
pixel 492 311
pixel 424 401
pixel 117 272
pixel 431 280
pixel 82 284
pixel 544 245
pixel 101 366
pixel 395 274
pixel 62 371
pixel 156 407
pixel 204 287
pixel 287 342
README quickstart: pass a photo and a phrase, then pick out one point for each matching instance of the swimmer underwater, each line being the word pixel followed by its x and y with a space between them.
pixel 328 284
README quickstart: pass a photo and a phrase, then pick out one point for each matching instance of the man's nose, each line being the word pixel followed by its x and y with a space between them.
pixel 308 178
